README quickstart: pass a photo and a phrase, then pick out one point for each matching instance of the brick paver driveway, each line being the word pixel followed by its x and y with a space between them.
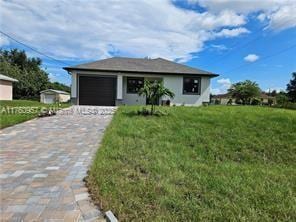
pixel 42 166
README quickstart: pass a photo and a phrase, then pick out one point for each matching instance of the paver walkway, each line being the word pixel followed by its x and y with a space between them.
pixel 42 166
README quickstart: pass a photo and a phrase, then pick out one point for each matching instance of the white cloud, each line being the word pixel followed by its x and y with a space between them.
pixel 280 13
pixel 251 58
pixel 283 18
pixel 219 47
pixel 52 77
pixel 261 17
pixel 90 30
pixel 277 89
pixel 223 86
pixel 231 32
pixel 3 40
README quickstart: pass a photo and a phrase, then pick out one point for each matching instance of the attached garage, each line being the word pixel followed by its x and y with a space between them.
pixel 97 91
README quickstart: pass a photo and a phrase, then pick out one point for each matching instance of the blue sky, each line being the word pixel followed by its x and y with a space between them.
pixel 235 38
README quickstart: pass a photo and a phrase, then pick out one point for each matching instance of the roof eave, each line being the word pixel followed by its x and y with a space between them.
pixel 69 69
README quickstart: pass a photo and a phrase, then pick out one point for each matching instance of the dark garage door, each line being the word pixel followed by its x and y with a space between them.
pixel 98 91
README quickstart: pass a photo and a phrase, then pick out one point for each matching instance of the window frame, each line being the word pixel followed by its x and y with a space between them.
pixel 132 78
pixel 199 85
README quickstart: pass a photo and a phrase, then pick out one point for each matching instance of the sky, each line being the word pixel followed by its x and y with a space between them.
pixel 237 39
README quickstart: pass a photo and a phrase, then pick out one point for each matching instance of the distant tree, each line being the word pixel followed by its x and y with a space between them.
pixel 245 91
pixel 291 88
pixel 272 93
pixel 58 86
pixel 31 77
pixel 211 97
pixel 282 98
pixel 153 91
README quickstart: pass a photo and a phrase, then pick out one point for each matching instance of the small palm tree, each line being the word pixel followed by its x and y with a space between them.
pixel 153 92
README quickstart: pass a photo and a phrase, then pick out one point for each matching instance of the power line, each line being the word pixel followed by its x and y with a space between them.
pixel 263 58
pixel 235 45
pixel 35 50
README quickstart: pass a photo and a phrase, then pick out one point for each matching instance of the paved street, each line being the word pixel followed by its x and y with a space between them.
pixel 42 166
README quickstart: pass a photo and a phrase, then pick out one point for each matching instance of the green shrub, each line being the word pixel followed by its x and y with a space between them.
pixel 255 102
pixel 282 98
pixel 288 105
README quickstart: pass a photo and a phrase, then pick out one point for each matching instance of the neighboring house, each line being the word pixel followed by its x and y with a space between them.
pixel 224 98
pixel 53 96
pixel 265 97
pixel 6 87
pixel 116 81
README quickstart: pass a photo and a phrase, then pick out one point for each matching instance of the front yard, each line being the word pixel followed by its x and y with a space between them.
pixel 198 164
pixel 17 111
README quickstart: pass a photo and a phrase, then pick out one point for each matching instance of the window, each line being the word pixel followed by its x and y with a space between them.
pixel 134 84
pixel 191 85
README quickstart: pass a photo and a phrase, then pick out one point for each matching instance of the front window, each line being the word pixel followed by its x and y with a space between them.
pixel 134 84
pixel 191 85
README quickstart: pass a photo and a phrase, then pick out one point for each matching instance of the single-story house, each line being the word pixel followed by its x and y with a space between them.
pixel 116 81
pixel 224 98
pixel 6 87
pixel 50 96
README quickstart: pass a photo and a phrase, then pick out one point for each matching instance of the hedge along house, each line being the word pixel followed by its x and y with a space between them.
pixel 117 80
pixel 50 96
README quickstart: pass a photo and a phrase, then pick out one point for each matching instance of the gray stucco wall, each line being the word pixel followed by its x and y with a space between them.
pixel 173 82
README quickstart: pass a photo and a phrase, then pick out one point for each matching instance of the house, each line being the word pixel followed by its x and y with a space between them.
pixel 223 99
pixel 54 96
pixel 265 98
pixel 6 87
pixel 117 80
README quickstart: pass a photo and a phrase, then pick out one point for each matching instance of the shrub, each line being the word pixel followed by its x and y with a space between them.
pixel 238 101
pixel 288 105
pixel 282 98
pixel 270 102
pixel 255 102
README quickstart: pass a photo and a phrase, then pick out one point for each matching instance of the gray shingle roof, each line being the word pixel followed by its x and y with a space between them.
pixel 55 91
pixel 138 65
pixel 7 78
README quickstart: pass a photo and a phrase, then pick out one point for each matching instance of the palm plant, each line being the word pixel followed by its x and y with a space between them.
pixel 153 91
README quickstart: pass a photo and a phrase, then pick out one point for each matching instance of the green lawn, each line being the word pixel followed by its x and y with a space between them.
pixel 216 163
pixel 17 111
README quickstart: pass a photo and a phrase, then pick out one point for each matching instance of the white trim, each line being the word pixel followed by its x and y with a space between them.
pixel 119 86
pixel 74 85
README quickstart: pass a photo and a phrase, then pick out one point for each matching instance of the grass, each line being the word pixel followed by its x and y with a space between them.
pixel 17 111
pixel 218 163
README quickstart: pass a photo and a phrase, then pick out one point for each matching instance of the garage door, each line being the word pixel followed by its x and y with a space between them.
pixel 49 98
pixel 98 91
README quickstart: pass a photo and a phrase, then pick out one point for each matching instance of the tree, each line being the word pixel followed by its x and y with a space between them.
pixel 291 88
pixel 282 98
pixel 31 78
pixel 59 86
pixel 245 91
pixel 153 91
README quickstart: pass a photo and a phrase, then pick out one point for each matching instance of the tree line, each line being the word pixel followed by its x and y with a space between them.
pixel 31 77
pixel 246 92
